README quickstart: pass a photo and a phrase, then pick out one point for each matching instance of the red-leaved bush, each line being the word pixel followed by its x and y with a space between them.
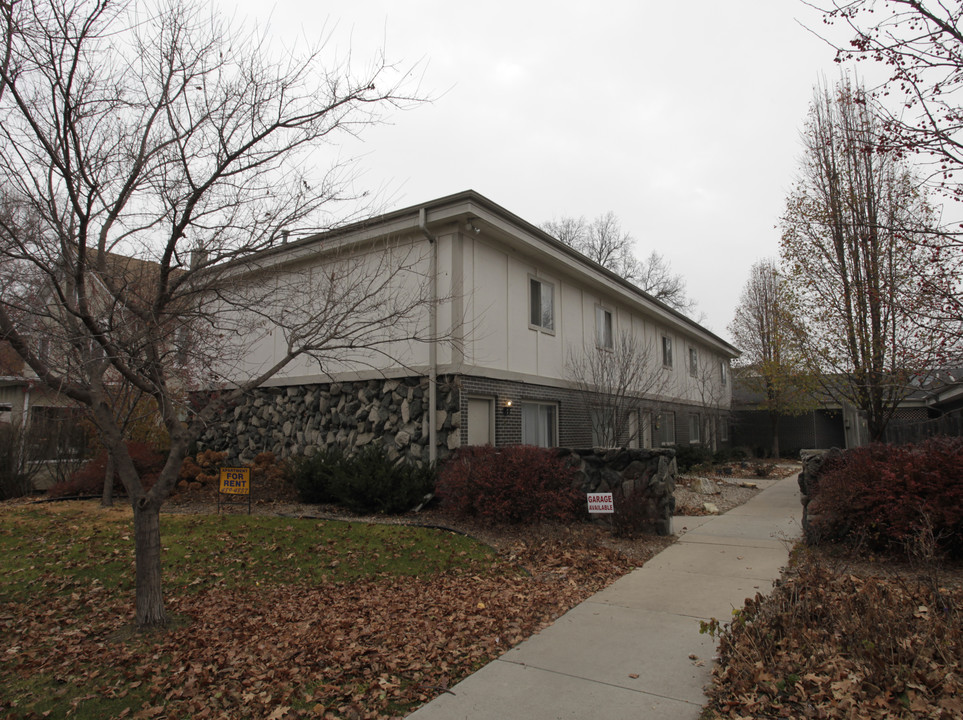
pixel 89 479
pixel 892 497
pixel 515 484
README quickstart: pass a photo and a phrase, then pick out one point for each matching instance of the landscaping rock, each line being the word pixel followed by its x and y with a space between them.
pixel 704 486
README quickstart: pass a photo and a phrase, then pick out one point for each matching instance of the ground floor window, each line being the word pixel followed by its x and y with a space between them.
pixel 603 428
pixel 695 426
pixel 539 424
pixel 667 428
pixel 724 430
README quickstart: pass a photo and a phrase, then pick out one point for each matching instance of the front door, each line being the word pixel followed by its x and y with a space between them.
pixel 480 417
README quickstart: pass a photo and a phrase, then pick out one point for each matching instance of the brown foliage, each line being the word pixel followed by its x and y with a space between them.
pixel 831 643
pixel 200 475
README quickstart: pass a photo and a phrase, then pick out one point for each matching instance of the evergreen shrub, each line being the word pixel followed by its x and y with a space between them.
pixel 365 482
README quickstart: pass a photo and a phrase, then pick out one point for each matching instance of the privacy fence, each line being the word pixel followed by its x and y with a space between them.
pixel 899 432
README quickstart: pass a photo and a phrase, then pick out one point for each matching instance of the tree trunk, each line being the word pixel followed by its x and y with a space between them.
pixel 107 500
pixel 774 421
pixel 150 599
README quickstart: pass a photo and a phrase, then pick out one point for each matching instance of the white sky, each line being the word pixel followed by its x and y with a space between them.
pixel 683 118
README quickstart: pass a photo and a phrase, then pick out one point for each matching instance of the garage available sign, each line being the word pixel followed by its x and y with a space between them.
pixel 600 503
pixel 236 481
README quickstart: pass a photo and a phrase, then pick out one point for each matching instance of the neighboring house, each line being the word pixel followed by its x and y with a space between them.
pixel 51 420
pixel 516 305
pixel 25 403
pixel 821 427
pixel 934 405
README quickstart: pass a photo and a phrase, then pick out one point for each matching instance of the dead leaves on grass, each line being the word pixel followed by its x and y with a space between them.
pixel 372 648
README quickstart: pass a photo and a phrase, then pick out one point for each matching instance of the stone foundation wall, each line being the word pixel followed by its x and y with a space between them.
pixel 812 465
pixel 624 471
pixel 298 419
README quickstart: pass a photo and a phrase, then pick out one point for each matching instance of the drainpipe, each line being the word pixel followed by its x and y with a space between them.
pixel 433 342
pixel 24 416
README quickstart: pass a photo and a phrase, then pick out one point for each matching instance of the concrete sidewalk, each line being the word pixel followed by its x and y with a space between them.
pixel 626 651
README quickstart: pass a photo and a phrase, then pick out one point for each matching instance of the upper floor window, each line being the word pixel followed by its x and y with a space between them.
pixel 667 351
pixel 724 372
pixel 541 301
pixel 693 362
pixel 603 328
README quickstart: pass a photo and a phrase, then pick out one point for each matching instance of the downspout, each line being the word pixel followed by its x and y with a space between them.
pixel 433 340
pixel 24 417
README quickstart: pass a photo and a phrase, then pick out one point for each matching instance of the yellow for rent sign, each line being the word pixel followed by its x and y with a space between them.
pixel 236 481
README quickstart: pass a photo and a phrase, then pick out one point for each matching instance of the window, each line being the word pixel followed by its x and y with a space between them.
pixel 693 362
pixel 667 428
pixel 724 429
pixel 6 413
pixel 724 372
pixel 538 424
pixel 603 328
pixel 666 351
pixel 695 425
pixel 541 304
pixel 603 428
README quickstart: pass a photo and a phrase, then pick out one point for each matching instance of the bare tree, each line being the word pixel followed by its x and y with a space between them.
pixel 858 281
pixel 921 46
pixel 710 379
pixel 620 386
pixel 164 153
pixel 602 240
pixel 772 364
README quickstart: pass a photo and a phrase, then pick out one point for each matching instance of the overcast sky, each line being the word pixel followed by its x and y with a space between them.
pixel 682 118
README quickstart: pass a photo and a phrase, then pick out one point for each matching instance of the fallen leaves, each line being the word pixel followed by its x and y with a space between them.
pixel 829 644
pixel 366 645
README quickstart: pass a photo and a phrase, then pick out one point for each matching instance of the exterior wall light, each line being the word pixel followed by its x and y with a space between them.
pixel 508 407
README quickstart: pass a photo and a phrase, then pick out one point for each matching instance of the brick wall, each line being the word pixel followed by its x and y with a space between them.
pixel 574 423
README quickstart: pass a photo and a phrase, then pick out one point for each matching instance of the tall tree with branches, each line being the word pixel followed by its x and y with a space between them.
pixel 858 280
pixel 153 157
pixel 772 364
pixel 603 240
pixel 920 106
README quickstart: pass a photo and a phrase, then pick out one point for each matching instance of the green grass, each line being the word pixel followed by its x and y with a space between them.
pixel 50 550
pixel 59 561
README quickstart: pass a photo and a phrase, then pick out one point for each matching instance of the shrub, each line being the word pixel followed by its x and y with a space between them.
pixel 888 496
pixel 311 475
pixel 688 456
pixel 762 469
pixel 727 454
pixel 367 481
pixel 202 469
pixel 517 484
pixel 89 479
